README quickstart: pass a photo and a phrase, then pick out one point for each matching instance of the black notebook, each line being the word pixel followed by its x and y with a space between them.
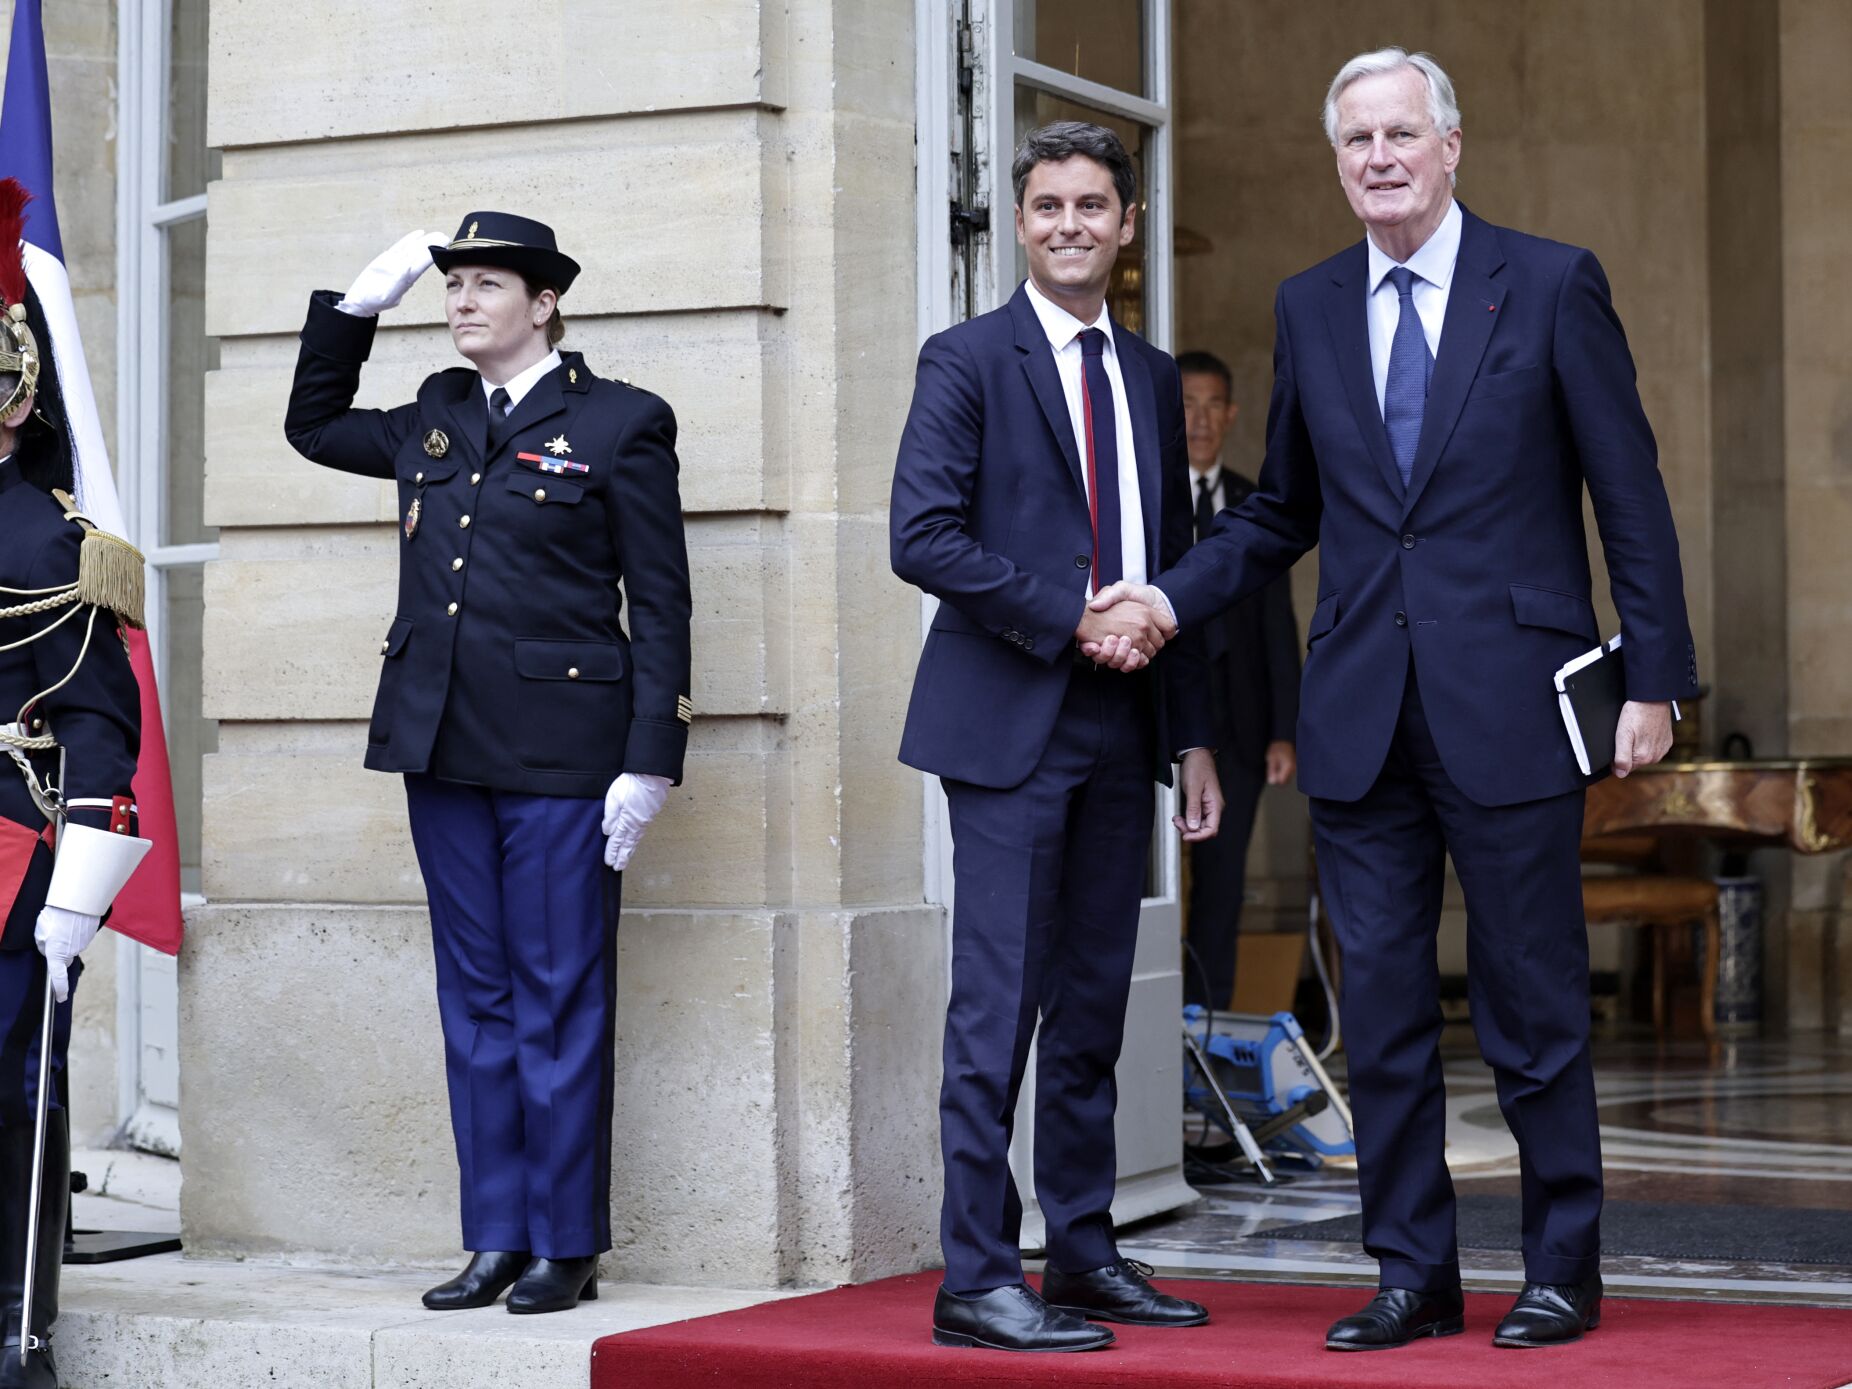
pixel 1590 691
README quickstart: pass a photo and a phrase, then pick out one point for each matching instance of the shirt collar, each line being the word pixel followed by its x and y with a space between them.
pixel 527 380
pixel 1433 262
pixel 1060 325
pixel 1213 477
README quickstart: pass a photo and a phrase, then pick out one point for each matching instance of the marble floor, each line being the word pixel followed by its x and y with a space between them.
pixel 1752 1123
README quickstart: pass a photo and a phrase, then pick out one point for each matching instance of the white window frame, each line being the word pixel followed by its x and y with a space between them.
pixel 143 220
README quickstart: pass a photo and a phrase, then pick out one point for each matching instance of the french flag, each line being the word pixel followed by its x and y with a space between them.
pixel 148 908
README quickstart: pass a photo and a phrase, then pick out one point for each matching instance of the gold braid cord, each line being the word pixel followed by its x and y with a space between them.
pixel 109 579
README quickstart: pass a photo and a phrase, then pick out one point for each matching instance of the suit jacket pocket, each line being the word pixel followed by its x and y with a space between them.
pixel 539 659
pixel 1505 383
pixel 1324 618
pixel 1549 607
pixel 544 489
pixel 392 671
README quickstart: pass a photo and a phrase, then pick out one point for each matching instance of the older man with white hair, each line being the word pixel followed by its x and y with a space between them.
pixel 1444 391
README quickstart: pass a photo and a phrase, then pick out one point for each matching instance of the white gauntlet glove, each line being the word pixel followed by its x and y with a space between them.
pixel 62 936
pixel 629 806
pixel 383 283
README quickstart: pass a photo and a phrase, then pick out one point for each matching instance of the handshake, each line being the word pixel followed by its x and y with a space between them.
pixel 1125 626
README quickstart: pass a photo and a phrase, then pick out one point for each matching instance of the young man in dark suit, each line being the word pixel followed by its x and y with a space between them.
pixel 1253 654
pixel 1043 461
pixel 1444 392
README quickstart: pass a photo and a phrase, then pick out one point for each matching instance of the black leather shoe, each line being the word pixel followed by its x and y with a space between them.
pixel 1551 1314
pixel 1396 1316
pixel 1119 1292
pixel 39 1370
pixel 555 1285
pixel 490 1273
pixel 1011 1318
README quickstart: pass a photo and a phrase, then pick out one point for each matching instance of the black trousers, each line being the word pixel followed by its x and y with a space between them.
pixel 1382 862
pixel 1218 882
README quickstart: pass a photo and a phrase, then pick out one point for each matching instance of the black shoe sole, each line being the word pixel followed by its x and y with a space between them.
pixel 1452 1327
pixel 1092 1314
pixel 589 1293
pixel 959 1341
pixel 1509 1344
pixel 464 1305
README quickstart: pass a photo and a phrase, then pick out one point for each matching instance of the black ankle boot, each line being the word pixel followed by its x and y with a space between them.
pixel 554 1285
pixel 489 1274
pixel 39 1370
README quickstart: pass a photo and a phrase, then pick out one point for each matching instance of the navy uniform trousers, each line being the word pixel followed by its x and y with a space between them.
pixel 524 925
pixel 22 1012
pixel 1048 878
pixel 1382 863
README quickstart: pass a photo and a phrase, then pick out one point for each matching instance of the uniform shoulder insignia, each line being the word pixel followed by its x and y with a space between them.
pixel 110 571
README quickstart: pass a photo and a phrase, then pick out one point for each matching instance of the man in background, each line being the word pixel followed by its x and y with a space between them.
pixel 1253 652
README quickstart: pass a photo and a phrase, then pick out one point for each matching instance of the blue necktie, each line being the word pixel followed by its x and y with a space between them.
pixel 1411 366
pixel 1102 459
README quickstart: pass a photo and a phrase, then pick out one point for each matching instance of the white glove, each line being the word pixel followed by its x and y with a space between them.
pixel 383 283
pixel 629 806
pixel 62 936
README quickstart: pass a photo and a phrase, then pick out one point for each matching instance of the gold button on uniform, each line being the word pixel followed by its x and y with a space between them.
pixel 540 494
pixel 572 673
pixel 457 563
pixel 452 609
pixel 463 521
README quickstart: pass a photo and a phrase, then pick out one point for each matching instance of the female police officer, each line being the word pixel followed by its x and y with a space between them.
pixel 535 735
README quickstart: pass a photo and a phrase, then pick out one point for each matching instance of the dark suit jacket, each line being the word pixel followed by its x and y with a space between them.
pixel 95 715
pixel 1253 653
pixel 531 684
pixel 990 516
pixel 1478 572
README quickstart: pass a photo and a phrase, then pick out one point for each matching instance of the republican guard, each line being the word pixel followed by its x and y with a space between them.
pixel 70 732
pixel 536 734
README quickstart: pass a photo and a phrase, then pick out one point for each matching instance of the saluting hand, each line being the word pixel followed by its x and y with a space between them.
pixel 394 271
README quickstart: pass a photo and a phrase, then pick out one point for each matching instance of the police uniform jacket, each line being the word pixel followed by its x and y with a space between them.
pixel 507 665
pixel 96 714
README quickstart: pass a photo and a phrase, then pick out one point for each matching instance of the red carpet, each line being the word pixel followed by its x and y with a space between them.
pixel 1262 1336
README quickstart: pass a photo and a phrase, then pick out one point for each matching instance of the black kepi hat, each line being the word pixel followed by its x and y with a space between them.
pixel 519 243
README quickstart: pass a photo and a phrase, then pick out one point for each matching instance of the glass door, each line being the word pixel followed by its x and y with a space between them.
pixel 991 71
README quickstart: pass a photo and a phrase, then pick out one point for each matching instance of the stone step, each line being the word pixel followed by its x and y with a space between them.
pixel 185 1323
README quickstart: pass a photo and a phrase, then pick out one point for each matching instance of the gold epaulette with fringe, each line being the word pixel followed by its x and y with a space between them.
pixel 110 571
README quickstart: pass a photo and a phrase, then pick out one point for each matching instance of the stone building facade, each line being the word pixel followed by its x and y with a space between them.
pixel 739 178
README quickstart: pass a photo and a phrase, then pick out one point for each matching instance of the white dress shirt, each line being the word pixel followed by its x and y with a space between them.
pixel 1433 267
pixel 526 381
pixel 1063 330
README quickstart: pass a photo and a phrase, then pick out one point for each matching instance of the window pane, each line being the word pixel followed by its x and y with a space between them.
pixel 1126 296
pixel 190 355
pixel 1100 40
pixel 190 735
pixel 190 165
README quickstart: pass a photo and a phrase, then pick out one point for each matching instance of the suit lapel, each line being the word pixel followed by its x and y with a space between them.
pixel 1347 312
pixel 1038 365
pixel 1473 302
pixel 468 418
pixel 1141 400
